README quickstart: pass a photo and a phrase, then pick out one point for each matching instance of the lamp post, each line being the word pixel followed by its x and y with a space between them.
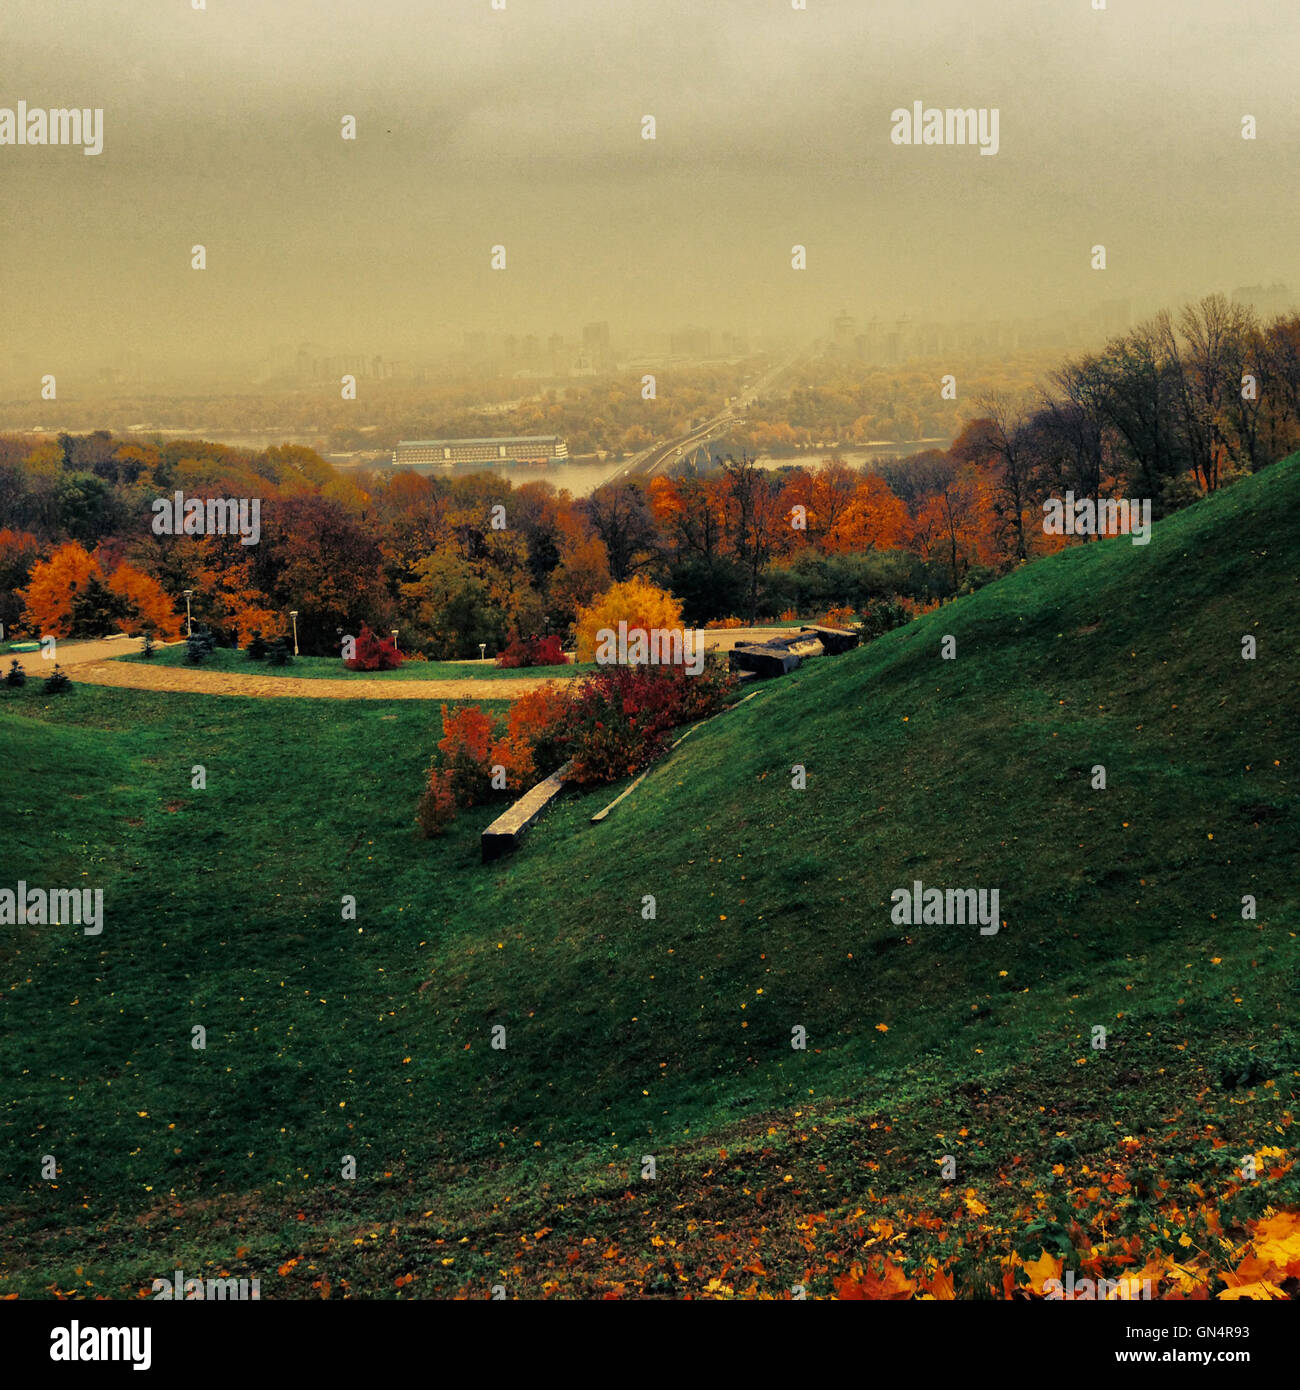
pixel 293 613
pixel 394 639
pixel 482 651
pixel 189 625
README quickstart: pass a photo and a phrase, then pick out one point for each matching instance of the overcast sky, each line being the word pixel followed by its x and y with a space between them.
pixel 523 127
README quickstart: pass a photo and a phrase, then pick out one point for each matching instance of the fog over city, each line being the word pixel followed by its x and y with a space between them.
pixel 523 127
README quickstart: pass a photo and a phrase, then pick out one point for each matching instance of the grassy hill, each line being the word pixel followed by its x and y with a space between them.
pixel 629 1036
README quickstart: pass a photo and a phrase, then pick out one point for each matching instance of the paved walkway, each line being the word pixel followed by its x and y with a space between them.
pixel 70 654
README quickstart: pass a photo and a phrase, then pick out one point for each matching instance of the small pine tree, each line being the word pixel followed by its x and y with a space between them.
pixel 15 675
pixel 57 682
pixel 257 648
pixel 279 653
pixel 97 610
pixel 195 649
pixel 150 648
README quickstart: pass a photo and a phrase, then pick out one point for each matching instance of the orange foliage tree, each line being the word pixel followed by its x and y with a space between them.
pixel 71 572
pixel 54 586
pixel 232 599
pixel 471 759
pixel 874 519
pixel 149 604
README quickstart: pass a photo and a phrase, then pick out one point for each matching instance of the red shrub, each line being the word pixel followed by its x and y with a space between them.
pixel 463 776
pixel 607 726
pixel 524 751
pixel 374 653
pixel 619 720
pixel 533 651
pixel 438 804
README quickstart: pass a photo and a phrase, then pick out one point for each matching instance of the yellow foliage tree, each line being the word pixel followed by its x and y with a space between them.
pixel 636 602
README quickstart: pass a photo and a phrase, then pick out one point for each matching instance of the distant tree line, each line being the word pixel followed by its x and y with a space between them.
pixel 1170 411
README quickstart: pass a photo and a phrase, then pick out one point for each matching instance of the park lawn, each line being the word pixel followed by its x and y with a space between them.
pixel 668 1036
pixel 331 668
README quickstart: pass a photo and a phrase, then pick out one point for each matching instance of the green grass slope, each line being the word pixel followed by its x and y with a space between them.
pixel 628 1035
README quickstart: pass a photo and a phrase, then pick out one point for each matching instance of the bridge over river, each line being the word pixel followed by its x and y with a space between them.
pixel 670 455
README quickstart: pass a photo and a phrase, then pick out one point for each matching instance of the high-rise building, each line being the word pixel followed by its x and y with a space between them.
pixel 595 346
pixel 691 342
pixel 1267 301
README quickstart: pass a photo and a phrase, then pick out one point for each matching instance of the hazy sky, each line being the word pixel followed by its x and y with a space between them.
pixel 523 127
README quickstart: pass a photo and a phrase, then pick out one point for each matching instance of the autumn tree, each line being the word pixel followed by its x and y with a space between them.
pixel 834 485
pixel 636 602
pixel 1279 387
pixel 18 553
pixel 999 443
pixel 875 519
pixel 52 591
pixel 701 569
pixel 619 515
pixel 582 573
pixel 450 608
pixel 70 595
pixel 754 516
pixel 315 557
pixel 148 606
pixel 1140 381
pixel 947 522
pixel 231 601
pixel 1209 363
pixel 1071 428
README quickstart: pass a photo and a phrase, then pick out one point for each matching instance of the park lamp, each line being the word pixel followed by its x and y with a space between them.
pixel 293 613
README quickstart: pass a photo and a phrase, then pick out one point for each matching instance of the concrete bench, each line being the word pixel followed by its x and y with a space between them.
pixel 763 660
pixel 834 640
pixel 802 644
pixel 504 834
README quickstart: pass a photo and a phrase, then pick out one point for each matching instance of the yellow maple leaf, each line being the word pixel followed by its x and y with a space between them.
pixel 1279 1243
pixel 1042 1269
pixel 1262 1290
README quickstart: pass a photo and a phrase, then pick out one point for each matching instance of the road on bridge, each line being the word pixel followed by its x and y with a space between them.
pixel 660 458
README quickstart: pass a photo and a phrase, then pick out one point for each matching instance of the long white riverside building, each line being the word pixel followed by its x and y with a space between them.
pixel 526 448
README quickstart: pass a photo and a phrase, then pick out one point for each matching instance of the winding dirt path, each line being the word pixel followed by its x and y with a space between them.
pixel 130 676
pixel 92 663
